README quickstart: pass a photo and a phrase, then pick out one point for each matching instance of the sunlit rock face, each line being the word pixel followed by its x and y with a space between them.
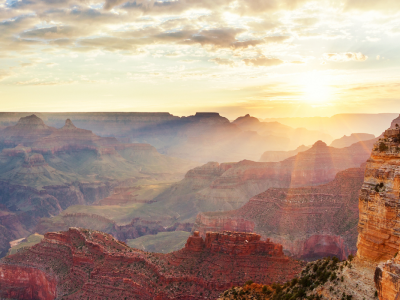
pixel 379 203
pixel 379 226
pixel 80 263
pixel 387 279
pixel 309 222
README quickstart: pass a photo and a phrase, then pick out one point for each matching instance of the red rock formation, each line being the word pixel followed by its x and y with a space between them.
pixel 93 264
pixel 309 222
pixel 21 282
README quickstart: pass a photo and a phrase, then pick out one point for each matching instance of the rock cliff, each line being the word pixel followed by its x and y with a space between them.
pixel 83 263
pixel 379 237
pixel 379 228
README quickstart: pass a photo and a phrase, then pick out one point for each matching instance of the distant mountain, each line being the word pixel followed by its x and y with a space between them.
pixel 347 141
pixel 341 124
pixel 275 156
pixel 202 137
pixel 297 136
pixel 227 186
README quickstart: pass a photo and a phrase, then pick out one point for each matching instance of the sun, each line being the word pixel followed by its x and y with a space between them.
pixel 316 88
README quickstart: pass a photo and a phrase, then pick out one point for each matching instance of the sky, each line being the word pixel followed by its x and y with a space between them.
pixel 268 58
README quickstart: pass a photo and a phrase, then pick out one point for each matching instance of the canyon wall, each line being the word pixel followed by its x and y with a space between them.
pixel 87 263
pixel 309 222
pixel 379 225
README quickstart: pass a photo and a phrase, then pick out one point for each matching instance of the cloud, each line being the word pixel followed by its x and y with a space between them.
pixel 348 56
pixel 367 5
pixel 262 61
pixel 4 74
pixel 223 61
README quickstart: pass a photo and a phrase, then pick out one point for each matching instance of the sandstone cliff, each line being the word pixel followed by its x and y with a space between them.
pixel 379 227
pixel 84 263
pixel 379 203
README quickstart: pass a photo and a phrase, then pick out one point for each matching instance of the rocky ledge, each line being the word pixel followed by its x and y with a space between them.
pixel 80 264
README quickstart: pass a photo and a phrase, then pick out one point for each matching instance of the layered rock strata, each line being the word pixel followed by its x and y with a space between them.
pixel 379 224
pixel 309 222
pixel 83 263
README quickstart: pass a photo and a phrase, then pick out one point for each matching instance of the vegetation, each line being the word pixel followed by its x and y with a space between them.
pixel 379 187
pixel 383 147
pixel 315 274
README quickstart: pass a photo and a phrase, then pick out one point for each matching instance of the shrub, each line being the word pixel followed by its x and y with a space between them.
pixel 350 257
pixel 249 282
pixel 383 147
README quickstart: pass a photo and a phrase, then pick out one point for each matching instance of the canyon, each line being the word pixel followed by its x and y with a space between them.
pixel 45 170
pixel 375 270
pixel 134 210
pixel 81 263
pixel 309 222
pixel 227 186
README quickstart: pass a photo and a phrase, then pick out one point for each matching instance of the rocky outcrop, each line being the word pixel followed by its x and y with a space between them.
pixel 309 222
pixel 347 141
pixel 93 264
pixel 387 279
